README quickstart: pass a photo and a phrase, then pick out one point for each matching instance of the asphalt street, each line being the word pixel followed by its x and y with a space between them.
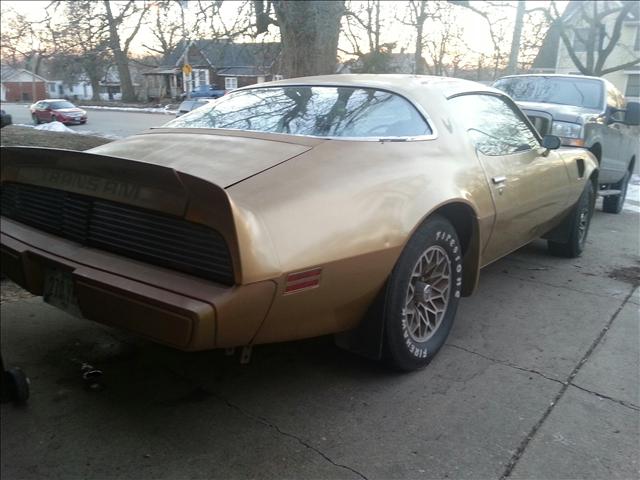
pixel 101 122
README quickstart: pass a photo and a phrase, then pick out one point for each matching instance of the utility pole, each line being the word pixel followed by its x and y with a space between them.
pixel 512 68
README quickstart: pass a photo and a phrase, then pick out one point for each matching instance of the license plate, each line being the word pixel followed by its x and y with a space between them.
pixel 59 291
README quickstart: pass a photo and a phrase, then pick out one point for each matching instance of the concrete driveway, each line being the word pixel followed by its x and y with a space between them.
pixel 539 379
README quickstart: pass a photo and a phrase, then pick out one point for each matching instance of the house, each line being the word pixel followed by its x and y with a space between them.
pixel 214 62
pixel 20 85
pixel 554 58
pixel 79 90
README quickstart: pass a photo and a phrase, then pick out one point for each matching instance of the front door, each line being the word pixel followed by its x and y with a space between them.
pixel 528 183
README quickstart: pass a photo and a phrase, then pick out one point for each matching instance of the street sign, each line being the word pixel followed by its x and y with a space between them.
pixel 186 69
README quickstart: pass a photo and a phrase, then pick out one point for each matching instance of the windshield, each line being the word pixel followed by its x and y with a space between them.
pixel 313 111
pixel 580 92
pixel 61 104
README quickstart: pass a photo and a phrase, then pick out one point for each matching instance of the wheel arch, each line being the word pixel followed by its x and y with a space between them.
pixel 465 222
pixel 367 338
pixel 596 149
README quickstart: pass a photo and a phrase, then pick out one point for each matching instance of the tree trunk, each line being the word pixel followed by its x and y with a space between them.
pixel 420 19
pixel 94 78
pixel 515 41
pixel 309 32
pixel 122 62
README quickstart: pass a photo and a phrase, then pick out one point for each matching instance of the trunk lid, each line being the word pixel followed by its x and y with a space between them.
pixel 222 158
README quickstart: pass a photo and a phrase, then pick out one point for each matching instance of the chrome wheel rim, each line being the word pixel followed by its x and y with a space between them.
pixel 428 294
pixel 583 223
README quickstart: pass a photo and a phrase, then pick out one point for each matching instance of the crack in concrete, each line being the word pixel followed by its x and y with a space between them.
pixel 530 370
pixel 505 363
pixel 565 385
pixel 630 405
pixel 275 427
pixel 267 423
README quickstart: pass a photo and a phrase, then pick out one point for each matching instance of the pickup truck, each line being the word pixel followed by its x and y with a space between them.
pixel 207 91
pixel 587 112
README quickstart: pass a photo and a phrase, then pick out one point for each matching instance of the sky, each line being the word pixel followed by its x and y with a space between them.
pixel 474 29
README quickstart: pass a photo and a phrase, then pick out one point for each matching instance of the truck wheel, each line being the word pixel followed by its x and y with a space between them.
pixel 423 295
pixel 580 219
pixel 614 203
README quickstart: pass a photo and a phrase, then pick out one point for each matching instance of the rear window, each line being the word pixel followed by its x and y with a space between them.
pixel 580 92
pixel 312 111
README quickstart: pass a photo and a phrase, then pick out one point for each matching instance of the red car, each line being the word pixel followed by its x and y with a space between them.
pixel 54 110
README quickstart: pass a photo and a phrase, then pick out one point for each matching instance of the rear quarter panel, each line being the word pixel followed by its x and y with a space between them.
pixel 348 207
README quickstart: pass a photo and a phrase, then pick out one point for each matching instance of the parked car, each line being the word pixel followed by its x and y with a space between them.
pixel 207 91
pixel 358 205
pixel 54 110
pixel 189 105
pixel 586 112
pixel 5 119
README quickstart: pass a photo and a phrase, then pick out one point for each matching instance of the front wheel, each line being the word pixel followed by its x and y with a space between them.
pixel 35 119
pixel 614 203
pixel 579 221
pixel 423 295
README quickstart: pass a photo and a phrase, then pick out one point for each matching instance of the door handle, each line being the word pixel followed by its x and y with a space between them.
pixel 499 179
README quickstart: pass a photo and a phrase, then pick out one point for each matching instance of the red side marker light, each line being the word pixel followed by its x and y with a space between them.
pixel 305 280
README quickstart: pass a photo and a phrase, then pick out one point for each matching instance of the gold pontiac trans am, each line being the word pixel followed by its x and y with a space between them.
pixel 357 205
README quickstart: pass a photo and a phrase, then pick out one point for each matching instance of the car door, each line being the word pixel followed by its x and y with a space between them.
pixel 42 112
pixel 528 182
pixel 614 138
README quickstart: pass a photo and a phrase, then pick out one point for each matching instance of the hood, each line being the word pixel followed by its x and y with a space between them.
pixel 563 113
pixel 223 158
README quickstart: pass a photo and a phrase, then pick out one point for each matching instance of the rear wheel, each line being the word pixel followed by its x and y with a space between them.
pixel 423 295
pixel 579 221
pixel 614 203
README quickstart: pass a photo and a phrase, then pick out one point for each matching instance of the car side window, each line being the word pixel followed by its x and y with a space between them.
pixel 494 126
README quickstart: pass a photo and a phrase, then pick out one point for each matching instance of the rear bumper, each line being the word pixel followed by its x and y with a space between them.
pixel 168 307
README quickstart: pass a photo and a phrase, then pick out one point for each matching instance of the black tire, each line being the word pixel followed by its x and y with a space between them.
pixel 35 119
pixel 614 203
pixel 579 221
pixel 17 384
pixel 407 348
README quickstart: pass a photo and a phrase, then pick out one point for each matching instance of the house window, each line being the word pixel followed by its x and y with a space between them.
pixel 633 85
pixel 230 83
pixel 202 77
pixel 52 87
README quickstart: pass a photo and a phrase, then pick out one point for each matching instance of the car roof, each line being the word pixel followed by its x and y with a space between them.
pixel 404 84
pixel 557 75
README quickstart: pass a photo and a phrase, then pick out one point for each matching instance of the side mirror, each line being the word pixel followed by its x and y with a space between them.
pixel 632 115
pixel 551 142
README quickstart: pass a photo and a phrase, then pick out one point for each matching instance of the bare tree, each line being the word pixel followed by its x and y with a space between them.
pixel 595 34
pixel 366 20
pixel 82 43
pixel 135 13
pixel 309 33
pixel 167 27
pixel 416 15
pixel 497 23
